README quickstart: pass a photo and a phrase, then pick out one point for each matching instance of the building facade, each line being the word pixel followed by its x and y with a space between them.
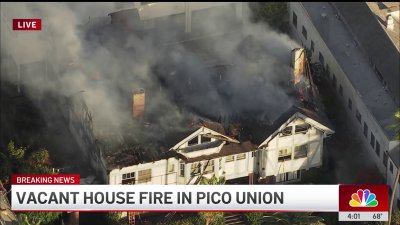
pixel 293 144
pixel 370 106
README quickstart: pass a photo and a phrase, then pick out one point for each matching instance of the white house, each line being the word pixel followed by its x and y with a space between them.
pixel 363 67
pixel 290 145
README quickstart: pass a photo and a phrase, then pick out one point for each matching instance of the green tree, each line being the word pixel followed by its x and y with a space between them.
pixel 396 126
pixel 273 13
pixel 254 218
pixel 280 218
pixel 21 160
pixel 214 218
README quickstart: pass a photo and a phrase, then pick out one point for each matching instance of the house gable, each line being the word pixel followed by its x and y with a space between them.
pixel 300 121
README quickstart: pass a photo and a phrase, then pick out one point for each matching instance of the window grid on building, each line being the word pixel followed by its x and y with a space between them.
pixel 312 46
pixel 144 176
pixel 378 148
pixel 294 20
pixel 304 32
pixel 358 116
pixel 385 159
pixel 182 169
pixel 365 130
pixel 210 167
pixel 229 158
pixel 372 140
pixel 241 156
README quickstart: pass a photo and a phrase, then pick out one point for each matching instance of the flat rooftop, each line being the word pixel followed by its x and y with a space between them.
pixel 360 73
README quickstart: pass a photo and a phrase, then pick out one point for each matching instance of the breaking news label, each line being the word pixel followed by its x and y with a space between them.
pixel 64 193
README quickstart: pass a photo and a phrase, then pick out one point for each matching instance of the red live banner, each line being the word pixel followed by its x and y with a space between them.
pixel 43 179
pixel 27 24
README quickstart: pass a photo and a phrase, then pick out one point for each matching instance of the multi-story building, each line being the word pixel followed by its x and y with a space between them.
pixel 288 147
pixel 363 66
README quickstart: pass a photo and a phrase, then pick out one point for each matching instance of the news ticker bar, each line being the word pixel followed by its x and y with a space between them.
pixel 318 198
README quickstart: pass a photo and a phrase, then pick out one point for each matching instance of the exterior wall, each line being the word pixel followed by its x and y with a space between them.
pixel 391 177
pixel 160 175
pixel 349 92
pixel 313 139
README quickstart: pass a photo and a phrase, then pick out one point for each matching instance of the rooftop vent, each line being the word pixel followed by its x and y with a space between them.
pixel 324 15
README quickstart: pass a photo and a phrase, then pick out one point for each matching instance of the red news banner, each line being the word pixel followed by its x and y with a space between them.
pixel 42 179
pixel 27 24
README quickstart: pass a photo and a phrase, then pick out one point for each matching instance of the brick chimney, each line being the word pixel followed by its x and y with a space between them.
pixel 138 102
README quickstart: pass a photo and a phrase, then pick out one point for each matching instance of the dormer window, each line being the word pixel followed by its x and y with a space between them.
pixel 287 131
pixel 194 141
pixel 205 139
pixel 302 128
pixel 285 154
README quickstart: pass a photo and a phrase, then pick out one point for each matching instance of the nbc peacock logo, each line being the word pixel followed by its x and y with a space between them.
pixel 363 198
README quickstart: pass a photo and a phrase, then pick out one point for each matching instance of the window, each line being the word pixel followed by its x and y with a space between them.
pixel 334 81
pixel 182 169
pixel 378 148
pixel 391 167
pixel 302 128
pixel 294 21
pixel 229 158
pixel 171 168
pixel 358 116
pixel 321 58
pixel 205 139
pixel 300 151
pixel 288 176
pixel 220 163
pixel 241 156
pixel 194 141
pixel 350 104
pixel 372 141
pixel 385 159
pixel 341 90
pixel 312 46
pixel 304 32
pixel 287 131
pixel 285 154
pixel 144 176
pixel 365 130
pixel 253 154
pixel 195 169
pixel 210 167
pixel 128 178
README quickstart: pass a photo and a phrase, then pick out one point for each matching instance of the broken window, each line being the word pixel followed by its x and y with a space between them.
pixel 302 128
pixel 300 151
pixel 287 131
pixel 210 167
pixel 128 178
pixel 285 154
pixel 205 139
pixel 358 116
pixel 194 141
pixel 171 168
pixel 144 176
pixel 241 156
pixel 294 21
pixel 195 169
pixel 304 32
pixel 182 169
pixel 229 158
pixel 377 148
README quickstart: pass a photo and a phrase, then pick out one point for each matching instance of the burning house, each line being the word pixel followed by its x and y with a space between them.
pixel 292 145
